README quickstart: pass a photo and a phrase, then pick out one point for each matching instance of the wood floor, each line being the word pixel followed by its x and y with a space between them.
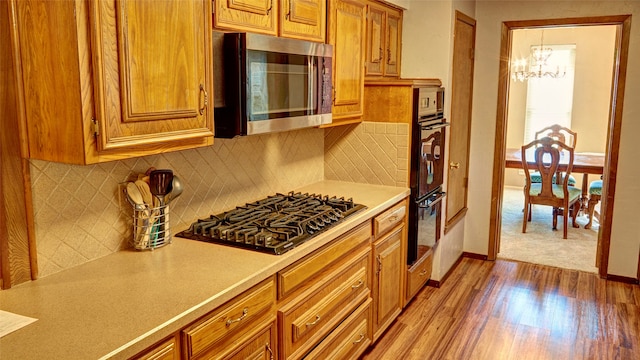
pixel 513 310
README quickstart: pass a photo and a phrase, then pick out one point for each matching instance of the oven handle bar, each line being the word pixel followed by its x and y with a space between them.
pixel 439 197
pixel 435 126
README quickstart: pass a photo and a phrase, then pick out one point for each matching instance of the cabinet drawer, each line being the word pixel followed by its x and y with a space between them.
pixel 259 343
pixel 349 340
pixel 238 314
pixel 418 275
pixel 299 273
pixel 311 316
pixel 390 218
pixel 166 350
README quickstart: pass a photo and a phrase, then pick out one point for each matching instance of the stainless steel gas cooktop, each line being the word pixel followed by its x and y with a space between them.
pixel 275 224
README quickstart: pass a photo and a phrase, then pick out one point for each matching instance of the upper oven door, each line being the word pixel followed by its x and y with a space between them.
pixel 430 159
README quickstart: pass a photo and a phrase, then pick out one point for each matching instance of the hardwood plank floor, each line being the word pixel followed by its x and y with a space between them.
pixel 513 310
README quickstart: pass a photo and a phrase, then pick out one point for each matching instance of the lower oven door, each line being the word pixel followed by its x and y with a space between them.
pixel 426 225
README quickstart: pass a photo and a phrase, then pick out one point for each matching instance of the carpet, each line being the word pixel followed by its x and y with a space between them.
pixel 540 244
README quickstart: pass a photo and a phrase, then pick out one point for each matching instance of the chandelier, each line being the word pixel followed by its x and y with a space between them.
pixel 539 66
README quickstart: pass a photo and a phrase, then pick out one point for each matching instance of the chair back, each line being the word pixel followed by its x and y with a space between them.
pixel 544 155
pixel 559 133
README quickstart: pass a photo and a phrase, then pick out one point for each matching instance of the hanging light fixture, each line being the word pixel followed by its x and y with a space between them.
pixel 539 67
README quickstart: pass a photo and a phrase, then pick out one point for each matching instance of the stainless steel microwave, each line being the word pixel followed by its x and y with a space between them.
pixel 268 84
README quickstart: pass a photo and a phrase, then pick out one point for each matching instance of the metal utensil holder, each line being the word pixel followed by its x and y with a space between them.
pixel 150 227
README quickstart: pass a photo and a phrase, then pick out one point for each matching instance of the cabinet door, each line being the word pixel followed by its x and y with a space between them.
pixel 303 19
pixel 375 41
pixel 387 287
pixel 461 103
pixel 347 35
pixel 393 43
pixel 247 15
pixel 152 68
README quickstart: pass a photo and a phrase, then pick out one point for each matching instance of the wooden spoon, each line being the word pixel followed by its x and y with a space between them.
pixel 145 191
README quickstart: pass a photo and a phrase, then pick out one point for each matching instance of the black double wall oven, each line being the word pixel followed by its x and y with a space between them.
pixel 427 171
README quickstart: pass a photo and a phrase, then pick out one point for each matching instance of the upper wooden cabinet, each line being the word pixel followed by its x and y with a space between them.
pixel 247 15
pixel 303 19
pixel 347 25
pixel 384 40
pixel 114 79
pixel 298 19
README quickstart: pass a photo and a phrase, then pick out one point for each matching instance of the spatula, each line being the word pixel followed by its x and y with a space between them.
pixel 160 185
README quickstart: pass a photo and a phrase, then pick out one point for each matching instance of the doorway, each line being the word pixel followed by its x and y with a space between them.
pixel 569 86
pixel 622 23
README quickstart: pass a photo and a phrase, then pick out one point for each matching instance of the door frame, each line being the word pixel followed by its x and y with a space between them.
pixel 619 75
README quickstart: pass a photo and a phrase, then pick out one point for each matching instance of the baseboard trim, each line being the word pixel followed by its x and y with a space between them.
pixel 438 283
pixel 474 256
pixel 623 279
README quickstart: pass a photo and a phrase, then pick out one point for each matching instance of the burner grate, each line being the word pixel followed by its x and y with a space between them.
pixel 275 224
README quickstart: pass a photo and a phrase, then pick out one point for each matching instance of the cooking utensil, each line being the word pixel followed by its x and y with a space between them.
pixel 145 191
pixel 143 212
pixel 160 184
pixel 176 189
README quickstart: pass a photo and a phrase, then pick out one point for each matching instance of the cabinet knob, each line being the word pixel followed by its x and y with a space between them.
pixel 453 165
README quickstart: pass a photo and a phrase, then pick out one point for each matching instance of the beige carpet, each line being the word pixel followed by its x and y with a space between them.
pixel 540 244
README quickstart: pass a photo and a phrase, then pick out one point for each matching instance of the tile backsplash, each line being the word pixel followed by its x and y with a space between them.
pixel 81 214
pixel 369 152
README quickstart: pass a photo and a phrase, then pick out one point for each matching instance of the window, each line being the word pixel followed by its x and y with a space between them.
pixel 550 100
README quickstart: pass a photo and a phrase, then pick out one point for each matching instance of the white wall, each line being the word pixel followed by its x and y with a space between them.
pixel 625 236
pixel 592 88
pixel 427 52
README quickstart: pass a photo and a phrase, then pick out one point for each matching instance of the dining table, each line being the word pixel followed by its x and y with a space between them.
pixel 584 163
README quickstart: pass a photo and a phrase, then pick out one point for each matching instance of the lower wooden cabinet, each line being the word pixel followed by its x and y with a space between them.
pixel 166 350
pixel 331 304
pixel 218 332
pixel 253 345
pixel 307 318
pixel 389 269
pixel 418 275
pixel 349 340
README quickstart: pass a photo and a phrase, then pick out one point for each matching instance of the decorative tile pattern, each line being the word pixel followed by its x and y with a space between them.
pixel 81 213
pixel 369 152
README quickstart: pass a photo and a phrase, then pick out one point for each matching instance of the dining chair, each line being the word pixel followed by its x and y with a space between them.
pixel 559 133
pixel 544 155
pixel 595 194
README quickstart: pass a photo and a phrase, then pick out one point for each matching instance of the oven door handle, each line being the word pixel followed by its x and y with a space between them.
pixel 438 199
pixel 435 126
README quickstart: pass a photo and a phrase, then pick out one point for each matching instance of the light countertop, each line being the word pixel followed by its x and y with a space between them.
pixel 118 305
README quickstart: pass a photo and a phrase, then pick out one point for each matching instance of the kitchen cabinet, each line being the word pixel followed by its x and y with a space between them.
pixel 219 332
pixel 384 40
pixel 347 26
pixel 136 78
pixel 389 259
pixel 166 350
pixel 323 289
pixel 258 16
pixel 349 340
pixel 303 19
pixel 298 19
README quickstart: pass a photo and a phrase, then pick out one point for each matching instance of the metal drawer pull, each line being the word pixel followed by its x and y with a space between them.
pixel 423 272
pixel 393 218
pixel 269 350
pixel 360 339
pixel 245 311
pixel 315 321
pixel 206 99
pixel 360 282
